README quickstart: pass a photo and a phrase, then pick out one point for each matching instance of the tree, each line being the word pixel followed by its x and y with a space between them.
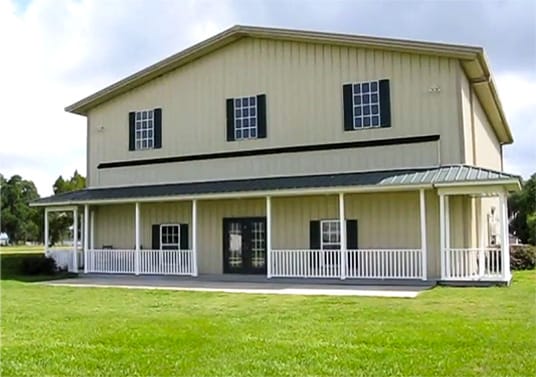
pixel 60 222
pixel 20 221
pixel 522 208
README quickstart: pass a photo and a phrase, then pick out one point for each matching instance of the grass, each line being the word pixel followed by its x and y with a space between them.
pixel 65 331
pixel 21 249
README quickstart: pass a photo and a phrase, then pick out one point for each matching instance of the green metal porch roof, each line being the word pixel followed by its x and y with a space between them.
pixel 418 177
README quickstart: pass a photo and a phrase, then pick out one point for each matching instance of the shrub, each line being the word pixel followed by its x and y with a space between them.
pixel 522 257
pixel 38 265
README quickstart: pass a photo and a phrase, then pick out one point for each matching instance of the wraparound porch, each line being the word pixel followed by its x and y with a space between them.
pixel 414 261
pixel 446 223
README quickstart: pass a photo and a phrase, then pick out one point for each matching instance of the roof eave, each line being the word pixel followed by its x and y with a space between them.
pixel 479 74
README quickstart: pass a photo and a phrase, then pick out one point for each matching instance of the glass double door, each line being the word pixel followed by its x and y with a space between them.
pixel 244 245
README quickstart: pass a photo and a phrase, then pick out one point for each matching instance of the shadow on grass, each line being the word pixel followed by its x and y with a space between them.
pixel 11 269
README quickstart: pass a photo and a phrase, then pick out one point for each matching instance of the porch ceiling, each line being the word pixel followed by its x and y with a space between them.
pixel 401 178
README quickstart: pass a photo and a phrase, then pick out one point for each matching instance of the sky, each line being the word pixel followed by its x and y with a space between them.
pixel 55 52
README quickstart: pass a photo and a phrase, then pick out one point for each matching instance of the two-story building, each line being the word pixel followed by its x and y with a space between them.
pixel 297 154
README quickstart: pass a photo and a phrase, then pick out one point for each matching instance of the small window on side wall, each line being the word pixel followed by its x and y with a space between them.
pixel 367 105
pixel 246 118
pixel 145 130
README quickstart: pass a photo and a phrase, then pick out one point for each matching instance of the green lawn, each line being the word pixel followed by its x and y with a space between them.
pixel 64 331
pixel 22 249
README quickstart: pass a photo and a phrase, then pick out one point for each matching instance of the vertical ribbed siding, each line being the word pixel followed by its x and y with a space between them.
pixel 114 224
pixel 303 85
pixel 210 228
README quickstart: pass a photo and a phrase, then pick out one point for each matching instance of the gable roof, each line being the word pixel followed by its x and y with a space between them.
pixel 388 179
pixel 473 61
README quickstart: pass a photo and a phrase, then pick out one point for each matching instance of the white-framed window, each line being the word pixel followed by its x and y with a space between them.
pixel 366 104
pixel 330 235
pixel 245 118
pixel 144 129
pixel 170 237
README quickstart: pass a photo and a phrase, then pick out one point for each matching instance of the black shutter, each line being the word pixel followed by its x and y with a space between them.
pixel 184 237
pixel 157 128
pixel 314 235
pixel 385 104
pixel 351 234
pixel 156 237
pixel 261 116
pixel 230 119
pixel 131 131
pixel 348 102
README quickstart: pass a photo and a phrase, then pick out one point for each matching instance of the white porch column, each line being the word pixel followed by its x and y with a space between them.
pixel 505 241
pixel 75 239
pixel 447 236
pixel 137 253
pixel 268 237
pixel 86 235
pixel 45 236
pixel 424 252
pixel 342 228
pixel 194 237
pixel 442 235
pixel 92 231
pixel 482 241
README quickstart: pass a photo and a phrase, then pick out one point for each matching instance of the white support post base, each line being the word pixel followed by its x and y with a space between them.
pixel 268 237
pixel 86 236
pixel 442 236
pixel 505 241
pixel 422 204
pixel 194 238
pixel 137 253
pixel 342 229
pixel 75 240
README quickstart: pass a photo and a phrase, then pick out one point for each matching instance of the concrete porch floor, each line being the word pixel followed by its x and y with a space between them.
pixel 252 284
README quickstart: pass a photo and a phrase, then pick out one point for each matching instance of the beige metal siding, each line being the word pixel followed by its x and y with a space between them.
pixel 349 160
pixel 488 149
pixel 467 118
pixel 481 145
pixel 115 226
pixel 210 239
pixel 163 213
pixel 303 84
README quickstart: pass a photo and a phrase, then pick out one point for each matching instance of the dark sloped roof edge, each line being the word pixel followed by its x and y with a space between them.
pixel 442 175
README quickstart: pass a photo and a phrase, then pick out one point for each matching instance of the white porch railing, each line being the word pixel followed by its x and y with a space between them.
pixel 151 262
pixel 471 263
pixel 166 262
pixel 361 263
pixel 112 261
pixel 64 258
pixel 384 264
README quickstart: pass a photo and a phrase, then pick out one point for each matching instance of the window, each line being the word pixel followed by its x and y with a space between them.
pixel 245 118
pixel 366 104
pixel 144 128
pixel 170 237
pixel 330 235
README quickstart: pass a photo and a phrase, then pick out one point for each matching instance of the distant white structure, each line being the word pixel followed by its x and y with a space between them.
pixel 4 239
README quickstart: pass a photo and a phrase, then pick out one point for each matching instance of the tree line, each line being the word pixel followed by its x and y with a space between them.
pixel 23 223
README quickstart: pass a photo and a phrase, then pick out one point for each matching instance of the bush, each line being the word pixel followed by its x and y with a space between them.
pixel 522 257
pixel 38 265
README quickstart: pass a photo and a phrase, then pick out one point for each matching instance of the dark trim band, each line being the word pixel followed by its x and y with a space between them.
pixel 269 151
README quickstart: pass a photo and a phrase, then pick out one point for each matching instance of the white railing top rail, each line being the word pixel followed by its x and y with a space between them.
pixel 473 249
pixel 352 250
